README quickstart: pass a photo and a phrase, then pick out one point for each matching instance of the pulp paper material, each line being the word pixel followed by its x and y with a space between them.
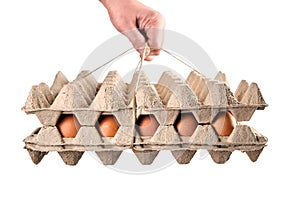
pixel 165 100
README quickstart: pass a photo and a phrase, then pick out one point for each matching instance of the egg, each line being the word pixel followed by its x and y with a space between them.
pixel 108 126
pixel 186 124
pixel 147 125
pixel 68 126
pixel 224 123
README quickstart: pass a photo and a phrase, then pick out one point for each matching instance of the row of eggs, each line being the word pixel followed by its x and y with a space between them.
pixel 185 125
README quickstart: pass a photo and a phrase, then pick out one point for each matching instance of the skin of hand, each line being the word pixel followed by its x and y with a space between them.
pixel 139 23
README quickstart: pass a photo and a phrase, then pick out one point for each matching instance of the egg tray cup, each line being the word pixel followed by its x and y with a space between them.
pixel 87 100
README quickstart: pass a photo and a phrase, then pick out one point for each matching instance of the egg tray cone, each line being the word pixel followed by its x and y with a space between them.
pixel 87 100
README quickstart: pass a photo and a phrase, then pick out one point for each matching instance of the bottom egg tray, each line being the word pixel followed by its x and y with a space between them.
pixel 146 151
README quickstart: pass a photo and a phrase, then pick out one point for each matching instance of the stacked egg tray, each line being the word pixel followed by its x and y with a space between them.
pixel 165 100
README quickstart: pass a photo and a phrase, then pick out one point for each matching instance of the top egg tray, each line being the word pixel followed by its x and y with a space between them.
pixel 88 100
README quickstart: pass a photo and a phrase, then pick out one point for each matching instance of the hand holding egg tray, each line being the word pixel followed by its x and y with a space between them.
pixel 162 104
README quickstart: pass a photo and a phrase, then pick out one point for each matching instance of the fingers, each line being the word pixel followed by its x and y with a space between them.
pixel 149 54
pixel 151 26
pixel 137 39
pixel 155 33
pixel 140 24
pixel 155 40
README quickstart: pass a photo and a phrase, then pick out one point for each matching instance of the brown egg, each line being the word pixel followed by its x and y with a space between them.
pixel 68 126
pixel 186 124
pixel 147 125
pixel 108 126
pixel 224 123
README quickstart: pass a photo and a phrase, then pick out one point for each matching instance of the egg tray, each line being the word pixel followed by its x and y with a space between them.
pixel 88 100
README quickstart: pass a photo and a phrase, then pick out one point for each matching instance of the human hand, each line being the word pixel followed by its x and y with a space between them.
pixel 139 23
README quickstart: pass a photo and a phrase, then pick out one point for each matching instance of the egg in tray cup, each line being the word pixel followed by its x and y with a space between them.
pixel 173 114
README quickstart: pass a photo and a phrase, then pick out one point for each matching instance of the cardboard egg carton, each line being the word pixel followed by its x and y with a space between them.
pixel 87 100
pixel 204 99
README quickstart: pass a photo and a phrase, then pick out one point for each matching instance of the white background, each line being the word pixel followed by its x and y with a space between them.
pixel 255 40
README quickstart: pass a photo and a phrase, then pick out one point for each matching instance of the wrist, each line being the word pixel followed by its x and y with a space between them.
pixel 108 4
